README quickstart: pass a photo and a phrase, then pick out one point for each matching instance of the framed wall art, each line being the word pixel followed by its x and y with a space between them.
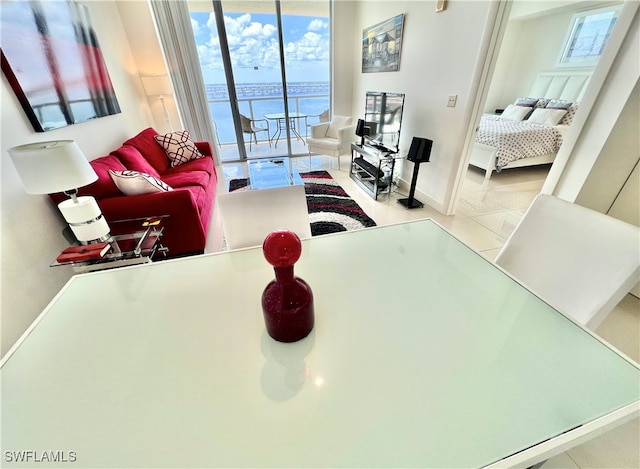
pixel 52 60
pixel 381 45
pixel 587 36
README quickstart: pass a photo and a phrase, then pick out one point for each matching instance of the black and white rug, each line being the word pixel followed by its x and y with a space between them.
pixel 331 210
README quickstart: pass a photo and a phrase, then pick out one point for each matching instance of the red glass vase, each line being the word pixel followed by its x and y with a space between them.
pixel 287 301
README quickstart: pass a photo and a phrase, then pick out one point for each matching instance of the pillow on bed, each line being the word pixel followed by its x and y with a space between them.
pixel 568 117
pixel 558 104
pixel 515 113
pixel 542 102
pixel 547 116
pixel 526 102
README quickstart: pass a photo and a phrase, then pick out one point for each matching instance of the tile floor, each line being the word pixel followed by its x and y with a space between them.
pixel 487 213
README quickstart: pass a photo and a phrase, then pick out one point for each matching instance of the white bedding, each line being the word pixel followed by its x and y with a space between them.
pixel 515 140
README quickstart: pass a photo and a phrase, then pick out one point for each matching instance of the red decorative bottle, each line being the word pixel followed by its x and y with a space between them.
pixel 287 301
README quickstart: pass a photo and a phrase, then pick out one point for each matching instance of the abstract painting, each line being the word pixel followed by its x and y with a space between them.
pixel 381 46
pixel 52 60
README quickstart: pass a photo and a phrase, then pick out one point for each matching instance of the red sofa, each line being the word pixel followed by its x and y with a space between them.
pixel 188 206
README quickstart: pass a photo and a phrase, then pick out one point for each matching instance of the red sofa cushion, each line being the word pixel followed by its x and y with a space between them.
pixel 104 186
pixel 153 152
pixel 201 164
pixel 192 178
pixel 184 231
pixel 132 159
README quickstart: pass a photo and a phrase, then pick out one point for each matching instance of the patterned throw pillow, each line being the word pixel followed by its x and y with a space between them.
pixel 135 183
pixel 179 147
pixel 547 116
pixel 542 102
pixel 571 112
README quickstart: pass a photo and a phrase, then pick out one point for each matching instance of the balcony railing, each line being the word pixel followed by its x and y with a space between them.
pixel 311 105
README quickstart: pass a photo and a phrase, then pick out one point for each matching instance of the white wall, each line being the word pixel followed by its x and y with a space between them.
pixel 31 226
pixel 606 149
pixel 530 46
pixel 342 57
pixel 616 161
pixel 438 57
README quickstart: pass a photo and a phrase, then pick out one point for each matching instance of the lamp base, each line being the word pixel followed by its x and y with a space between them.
pixel 85 219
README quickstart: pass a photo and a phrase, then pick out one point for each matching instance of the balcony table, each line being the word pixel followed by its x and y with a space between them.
pixel 281 120
pixel 424 354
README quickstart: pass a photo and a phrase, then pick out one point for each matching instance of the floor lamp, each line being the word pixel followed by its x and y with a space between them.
pixel 159 85
pixel 60 166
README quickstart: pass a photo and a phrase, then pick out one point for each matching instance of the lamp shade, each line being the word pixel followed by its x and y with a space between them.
pixel 49 167
pixel 156 85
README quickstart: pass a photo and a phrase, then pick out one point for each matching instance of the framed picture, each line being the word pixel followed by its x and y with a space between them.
pixel 381 46
pixel 588 33
pixel 52 60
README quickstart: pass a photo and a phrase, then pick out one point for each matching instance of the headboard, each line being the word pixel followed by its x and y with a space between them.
pixel 568 86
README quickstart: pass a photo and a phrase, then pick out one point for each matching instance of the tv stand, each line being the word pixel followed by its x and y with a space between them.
pixel 372 169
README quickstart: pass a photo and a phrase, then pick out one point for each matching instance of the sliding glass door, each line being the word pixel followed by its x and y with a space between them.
pixel 266 70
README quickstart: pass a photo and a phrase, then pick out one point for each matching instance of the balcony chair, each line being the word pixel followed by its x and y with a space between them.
pixel 248 127
pixel 332 138
pixel 215 131
pixel 323 117
pixel 580 261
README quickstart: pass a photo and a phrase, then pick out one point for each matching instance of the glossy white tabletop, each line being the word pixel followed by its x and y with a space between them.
pixel 423 355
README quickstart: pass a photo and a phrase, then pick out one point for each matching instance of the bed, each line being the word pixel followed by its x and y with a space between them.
pixel 530 131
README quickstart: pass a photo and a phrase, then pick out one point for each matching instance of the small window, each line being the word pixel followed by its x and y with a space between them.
pixel 587 36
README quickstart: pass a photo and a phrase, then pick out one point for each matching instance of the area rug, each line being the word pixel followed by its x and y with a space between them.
pixel 331 210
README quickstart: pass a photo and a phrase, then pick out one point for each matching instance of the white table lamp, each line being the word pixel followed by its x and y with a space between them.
pixel 60 166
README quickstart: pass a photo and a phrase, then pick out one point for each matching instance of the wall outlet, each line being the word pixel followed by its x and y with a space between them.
pixel 452 100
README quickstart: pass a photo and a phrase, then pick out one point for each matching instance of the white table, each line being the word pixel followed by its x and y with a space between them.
pixel 424 354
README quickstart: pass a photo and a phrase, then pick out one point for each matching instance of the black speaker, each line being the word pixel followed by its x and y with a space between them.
pixel 360 128
pixel 420 150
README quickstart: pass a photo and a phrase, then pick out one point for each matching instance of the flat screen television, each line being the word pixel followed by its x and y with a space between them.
pixel 383 117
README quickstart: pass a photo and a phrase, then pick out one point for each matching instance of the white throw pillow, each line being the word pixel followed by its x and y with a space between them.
pixel 336 124
pixel 136 183
pixel 179 147
pixel 547 116
pixel 515 113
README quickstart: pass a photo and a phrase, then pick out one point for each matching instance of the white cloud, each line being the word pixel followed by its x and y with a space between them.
pixel 255 44
pixel 312 46
pixel 317 25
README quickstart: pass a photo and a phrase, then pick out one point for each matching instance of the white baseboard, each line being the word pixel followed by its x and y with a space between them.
pixel 421 196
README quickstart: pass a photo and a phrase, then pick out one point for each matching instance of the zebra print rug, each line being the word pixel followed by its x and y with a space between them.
pixel 331 210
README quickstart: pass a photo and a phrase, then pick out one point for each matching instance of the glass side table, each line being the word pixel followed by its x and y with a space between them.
pixel 133 241
pixel 268 173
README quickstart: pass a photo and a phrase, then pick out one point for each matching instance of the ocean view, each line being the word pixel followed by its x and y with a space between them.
pixel 257 99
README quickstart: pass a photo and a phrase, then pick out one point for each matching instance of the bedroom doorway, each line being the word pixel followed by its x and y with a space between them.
pixel 504 195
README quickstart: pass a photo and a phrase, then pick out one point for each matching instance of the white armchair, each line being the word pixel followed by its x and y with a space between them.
pixel 332 138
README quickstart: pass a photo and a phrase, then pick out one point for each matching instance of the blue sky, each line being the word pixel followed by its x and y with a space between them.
pixel 253 43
